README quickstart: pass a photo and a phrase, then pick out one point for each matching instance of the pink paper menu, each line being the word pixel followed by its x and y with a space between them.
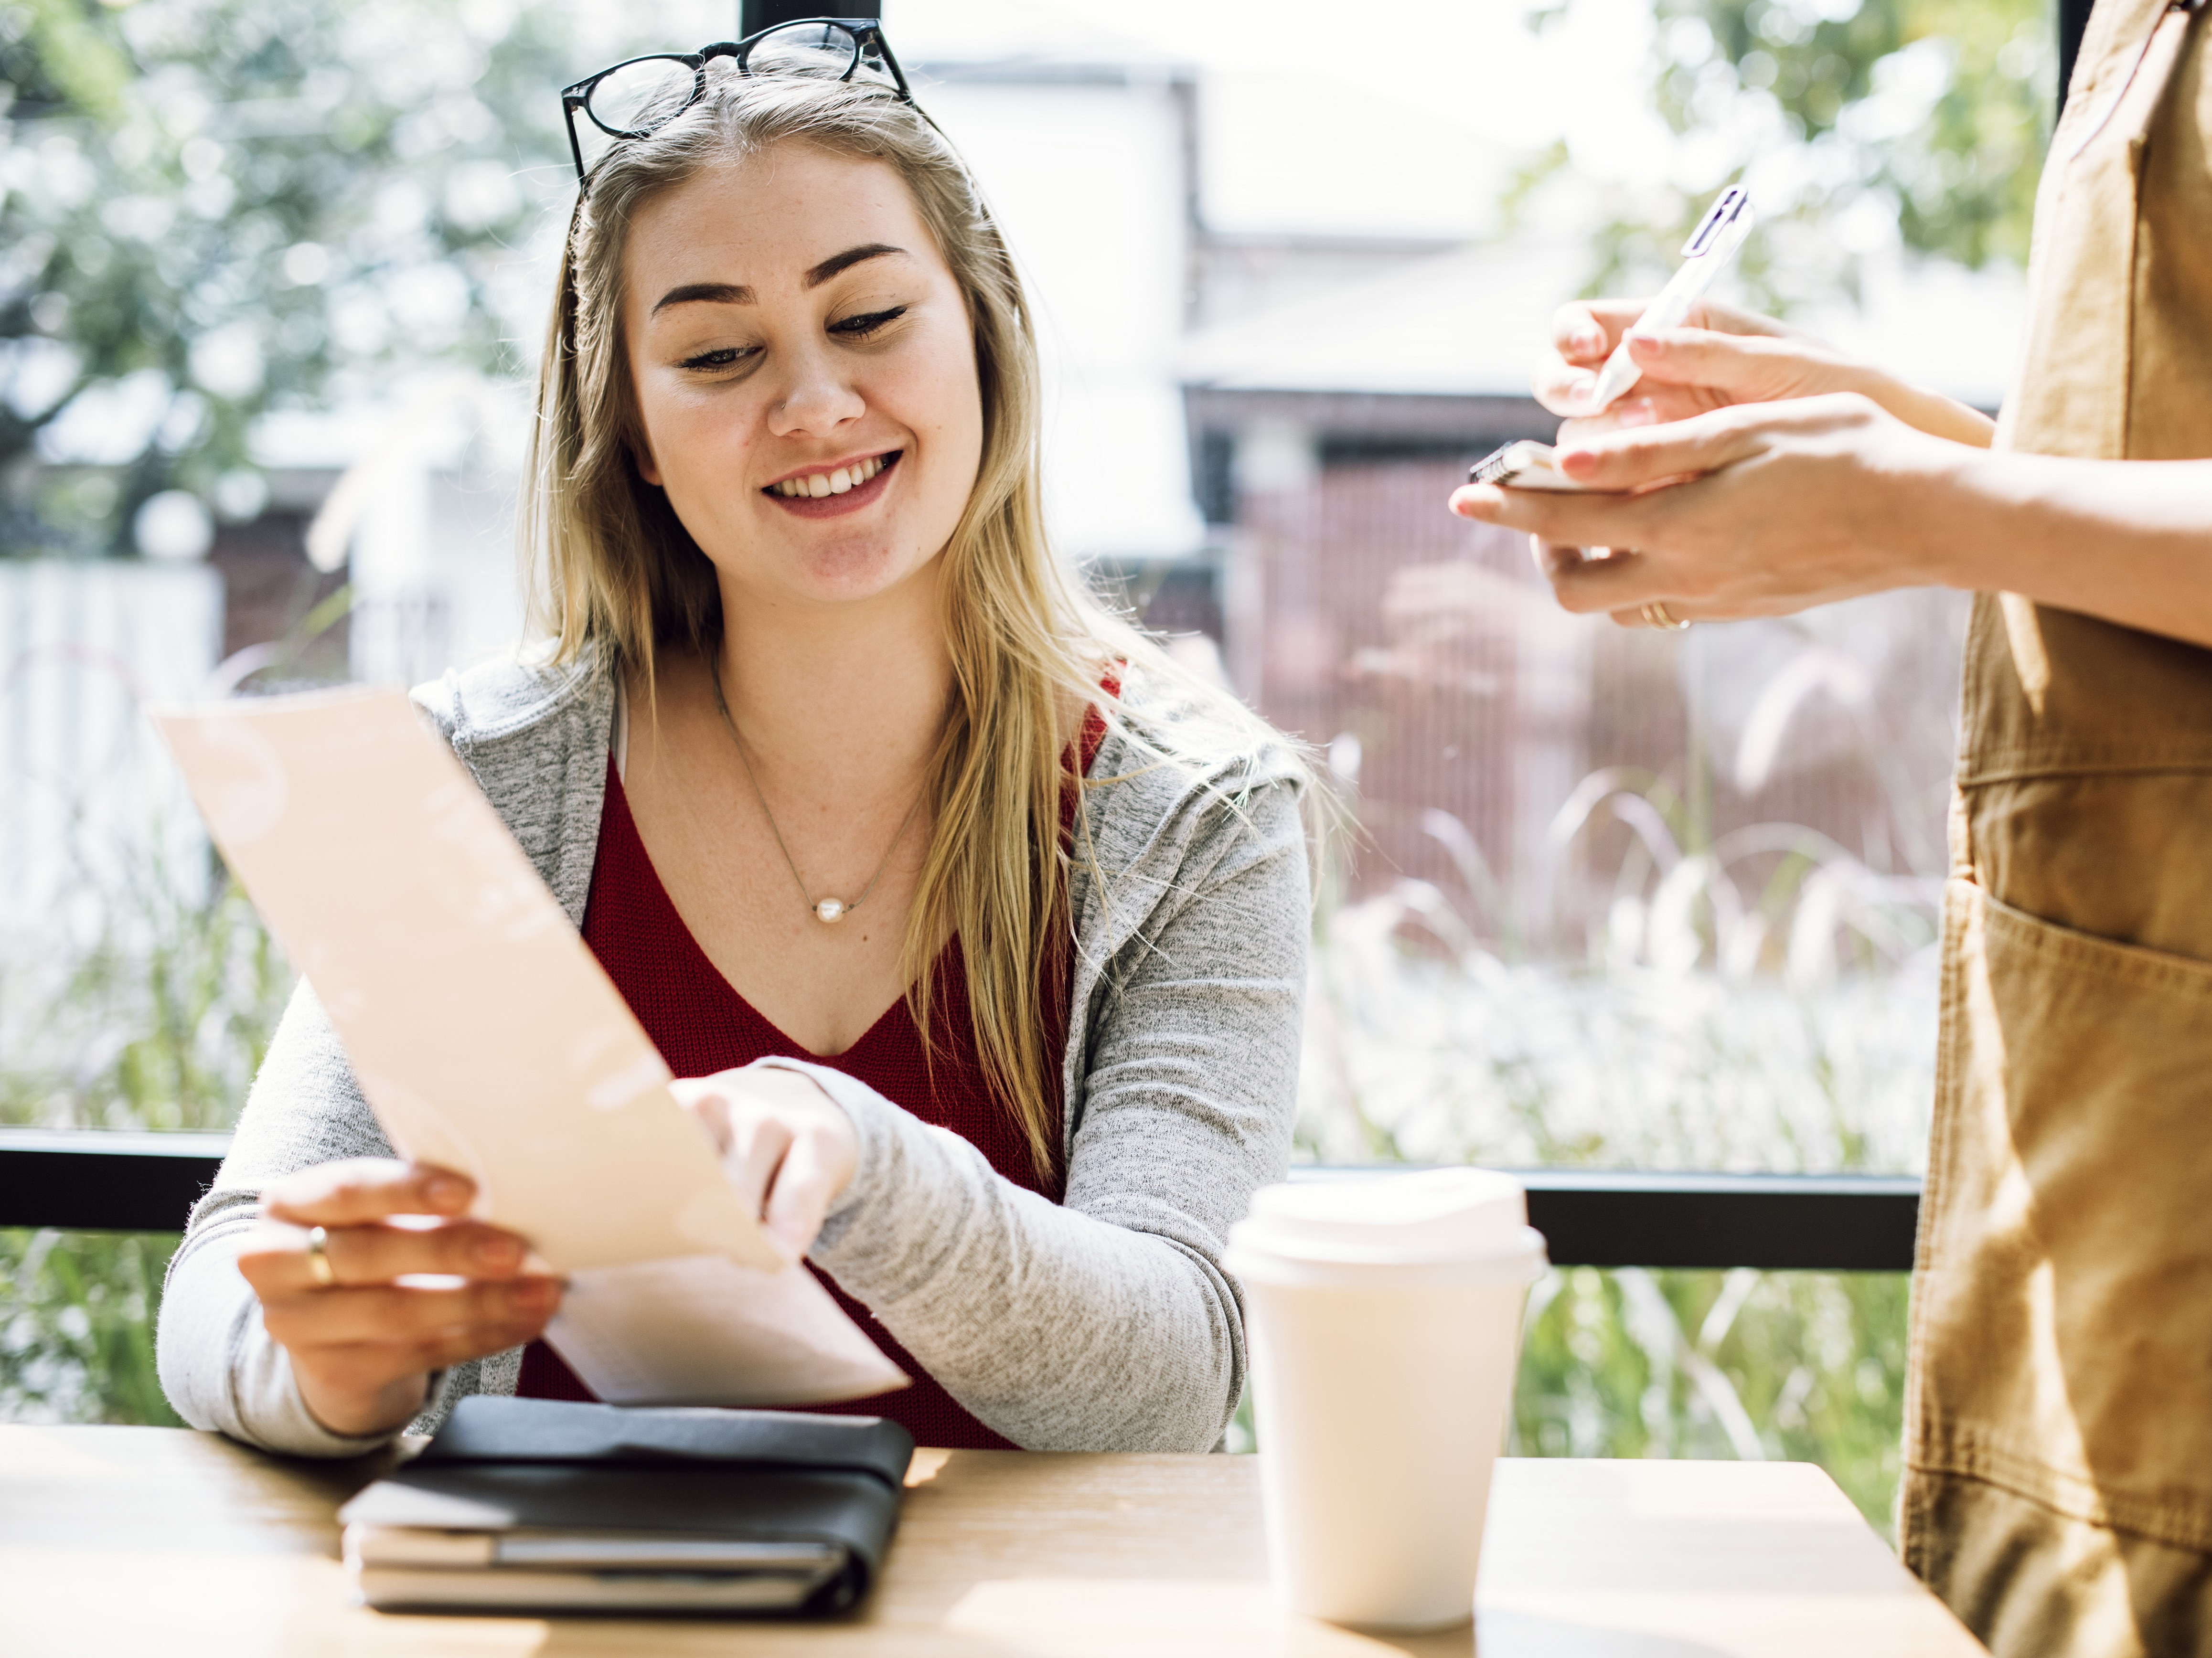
pixel 488 1040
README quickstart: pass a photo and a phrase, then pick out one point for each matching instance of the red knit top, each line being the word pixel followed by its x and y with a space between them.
pixel 702 1025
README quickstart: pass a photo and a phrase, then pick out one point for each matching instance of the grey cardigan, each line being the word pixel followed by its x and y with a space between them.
pixel 1106 1324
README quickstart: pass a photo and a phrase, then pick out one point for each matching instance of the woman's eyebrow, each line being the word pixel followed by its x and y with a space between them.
pixel 737 294
pixel 709 293
pixel 845 261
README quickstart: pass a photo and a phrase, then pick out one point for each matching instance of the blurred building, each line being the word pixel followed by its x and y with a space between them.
pixel 1488 734
pixel 1278 319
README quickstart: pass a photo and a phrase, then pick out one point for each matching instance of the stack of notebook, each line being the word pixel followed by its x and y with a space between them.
pixel 539 1505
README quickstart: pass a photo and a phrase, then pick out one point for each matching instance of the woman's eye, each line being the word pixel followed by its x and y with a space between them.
pixel 859 328
pixel 727 356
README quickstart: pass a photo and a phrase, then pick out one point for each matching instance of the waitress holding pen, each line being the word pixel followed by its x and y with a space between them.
pixel 2058 1436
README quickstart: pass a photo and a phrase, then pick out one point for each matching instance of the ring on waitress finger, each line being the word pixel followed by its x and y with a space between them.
pixel 318 1259
pixel 1657 615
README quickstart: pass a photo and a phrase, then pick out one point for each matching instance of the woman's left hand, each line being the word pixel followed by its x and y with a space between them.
pixel 789 1148
pixel 1759 509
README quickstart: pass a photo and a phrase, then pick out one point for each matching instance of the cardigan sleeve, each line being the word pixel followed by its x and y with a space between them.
pixel 1108 1324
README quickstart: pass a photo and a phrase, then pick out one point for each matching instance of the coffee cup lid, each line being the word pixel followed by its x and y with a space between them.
pixel 1437 1214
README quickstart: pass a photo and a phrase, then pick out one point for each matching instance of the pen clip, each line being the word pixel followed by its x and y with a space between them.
pixel 1722 214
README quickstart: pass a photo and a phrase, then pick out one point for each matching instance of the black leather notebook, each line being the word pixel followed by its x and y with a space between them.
pixel 542 1505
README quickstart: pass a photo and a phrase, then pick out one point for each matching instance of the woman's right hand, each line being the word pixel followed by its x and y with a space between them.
pixel 1729 356
pixel 403 1300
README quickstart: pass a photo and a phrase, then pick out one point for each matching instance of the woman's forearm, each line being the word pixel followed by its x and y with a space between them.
pixel 1928 411
pixel 1057 1329
pixel 2130 542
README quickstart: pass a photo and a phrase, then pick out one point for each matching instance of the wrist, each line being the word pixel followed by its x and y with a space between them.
pixel 352 1414
pixel 1940 512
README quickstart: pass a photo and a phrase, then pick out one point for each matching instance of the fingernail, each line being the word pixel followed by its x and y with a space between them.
pixel 1587 341
pixel 1580 391
pixel 447 1191
pixel 534 1294
pixel 1575 461
pixel 1645 344
pixel 498 1253
pixel 1639 413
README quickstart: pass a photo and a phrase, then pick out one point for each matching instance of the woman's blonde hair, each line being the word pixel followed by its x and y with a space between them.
pixel 616 576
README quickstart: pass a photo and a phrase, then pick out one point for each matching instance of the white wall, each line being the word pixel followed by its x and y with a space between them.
pixel 434 575
pixel 89 801
pixel 1087 183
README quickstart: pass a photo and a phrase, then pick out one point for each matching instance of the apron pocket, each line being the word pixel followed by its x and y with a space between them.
pixel 2063 1324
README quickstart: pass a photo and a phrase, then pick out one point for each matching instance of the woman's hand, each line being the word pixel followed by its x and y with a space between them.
pixel 364 1345
pixel 790 1149
pixel 1727 357
pixel 1789 505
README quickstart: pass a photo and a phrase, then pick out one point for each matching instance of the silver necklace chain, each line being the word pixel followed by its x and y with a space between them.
pixel 825 910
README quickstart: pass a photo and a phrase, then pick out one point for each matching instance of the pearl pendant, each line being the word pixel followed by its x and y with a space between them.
pixel 830 910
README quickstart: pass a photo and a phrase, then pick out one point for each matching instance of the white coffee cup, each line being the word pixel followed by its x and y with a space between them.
pixel 1383 1318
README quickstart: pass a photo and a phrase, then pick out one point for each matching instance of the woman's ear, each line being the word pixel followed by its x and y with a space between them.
pixel 643 459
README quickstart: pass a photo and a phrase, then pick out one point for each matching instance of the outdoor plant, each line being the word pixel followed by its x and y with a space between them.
pixel 76 1326
pixel 146 1001
pixel 1753 1366
pixel 1414 1058
pixel 1662 995
pixel 153 1013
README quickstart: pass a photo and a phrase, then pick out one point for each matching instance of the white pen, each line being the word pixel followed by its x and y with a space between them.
pixel 1705 256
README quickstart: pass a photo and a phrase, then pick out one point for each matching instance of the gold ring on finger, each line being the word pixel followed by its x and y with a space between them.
pixel 1657 615
pixel 318 1259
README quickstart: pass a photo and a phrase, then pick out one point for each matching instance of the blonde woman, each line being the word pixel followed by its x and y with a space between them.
pixel 827 752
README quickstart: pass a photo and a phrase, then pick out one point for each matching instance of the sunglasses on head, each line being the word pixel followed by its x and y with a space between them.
pixel 637 97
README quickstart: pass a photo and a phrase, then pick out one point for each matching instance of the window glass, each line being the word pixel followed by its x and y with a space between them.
pixel 1616 897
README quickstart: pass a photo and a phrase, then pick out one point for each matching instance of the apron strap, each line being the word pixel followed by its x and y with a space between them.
pixel 2111 102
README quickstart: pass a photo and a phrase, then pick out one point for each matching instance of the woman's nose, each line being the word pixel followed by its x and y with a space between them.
pixel 816 399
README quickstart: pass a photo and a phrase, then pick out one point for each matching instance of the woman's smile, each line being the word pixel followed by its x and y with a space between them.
pixel 834 490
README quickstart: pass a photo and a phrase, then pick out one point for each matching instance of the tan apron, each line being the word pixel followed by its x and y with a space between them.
pixel 2058 1433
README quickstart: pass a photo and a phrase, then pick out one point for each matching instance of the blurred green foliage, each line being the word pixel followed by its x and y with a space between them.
pixel 1804 1367
pixel 1940 108
pixel 212 209
pixel 76 1326
pixel 161 1023
pixel 1859 125
pixel 1797 1366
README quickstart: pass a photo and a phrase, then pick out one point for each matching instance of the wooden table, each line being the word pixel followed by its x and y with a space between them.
pixel 158 1543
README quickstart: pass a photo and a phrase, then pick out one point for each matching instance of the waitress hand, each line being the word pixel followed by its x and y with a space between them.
pixel 789 1148
pixel 1786 505
pixel 1726 357
pixel 401 1300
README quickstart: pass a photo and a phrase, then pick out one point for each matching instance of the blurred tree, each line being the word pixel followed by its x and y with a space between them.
pixel 213 209
pixel 1859 124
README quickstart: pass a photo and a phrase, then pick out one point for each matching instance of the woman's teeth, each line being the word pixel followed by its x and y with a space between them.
pixel 833 484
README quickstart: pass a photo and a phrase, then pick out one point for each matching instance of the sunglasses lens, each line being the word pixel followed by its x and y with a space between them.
pixel 639 96
pixel 824 48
